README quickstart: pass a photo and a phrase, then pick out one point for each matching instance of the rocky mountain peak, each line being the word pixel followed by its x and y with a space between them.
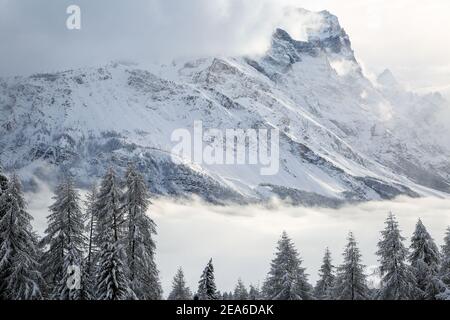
pixel 387 79
pixel 322 33
pixel 329 27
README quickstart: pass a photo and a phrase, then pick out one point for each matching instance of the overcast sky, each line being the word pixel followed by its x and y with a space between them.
pixel 408 36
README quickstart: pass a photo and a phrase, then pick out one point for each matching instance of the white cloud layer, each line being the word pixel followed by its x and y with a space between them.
pixel 407 36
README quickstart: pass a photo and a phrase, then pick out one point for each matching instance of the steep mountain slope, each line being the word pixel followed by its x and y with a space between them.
pixel 342 138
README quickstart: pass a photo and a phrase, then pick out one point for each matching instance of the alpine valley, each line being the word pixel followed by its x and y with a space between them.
pixel 343 138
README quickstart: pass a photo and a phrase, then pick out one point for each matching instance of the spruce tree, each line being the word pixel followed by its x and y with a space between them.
pixel 206 286
pixel 89 265
pixel 286 279
pixel 398 282
pixel 444 274
pixel 3 187
pixel 351 282
pixel 179 289
pixel 19 266
pixel 254 293
pixel 65 241
pixel 324 286
pixel 112 281
pixel 445 264
pixel 425 261
pixel 240 291
pixel 91 216
pixel 87 283
pixel 112 274
pixel 3 181
pixel 144 275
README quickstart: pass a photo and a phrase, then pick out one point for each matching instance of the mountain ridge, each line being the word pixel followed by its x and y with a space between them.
pixel 342 138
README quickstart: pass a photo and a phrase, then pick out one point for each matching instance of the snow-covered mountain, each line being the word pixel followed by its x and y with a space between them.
pixel 343 138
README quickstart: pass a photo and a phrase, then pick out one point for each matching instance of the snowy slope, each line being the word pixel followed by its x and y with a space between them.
pixel 343 138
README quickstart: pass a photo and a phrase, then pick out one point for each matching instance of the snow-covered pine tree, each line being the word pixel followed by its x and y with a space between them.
pixel 3 187
pixel 240 291
pixel 207 286
pixel 254 293
pixel 3 181
pixel 444 273
pixel 89 265
pixel 351 282
pixel 91 216
pixel 286 279
pixel 112 274
pixel 64 241
pixel 398 282
pixel 19 267
pixel 179 289
pixel 87 284
pixel 425 261
pixel 324 287
pixel 110 215
pixel 112 280
pixel 445 263
pixel 144 275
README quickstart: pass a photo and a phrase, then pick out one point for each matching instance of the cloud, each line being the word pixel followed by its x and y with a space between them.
pixel 242 240
pixel 406 36
pixel 37 38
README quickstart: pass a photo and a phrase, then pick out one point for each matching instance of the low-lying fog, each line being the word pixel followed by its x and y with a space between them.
pixel 242 240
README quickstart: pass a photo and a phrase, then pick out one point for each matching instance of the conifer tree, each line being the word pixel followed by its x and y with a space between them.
pixel 89 265
pixel 144 275
pixel 64 239
pixel 444 274
pixel 112 281
pixel 254 293
pixel 398 282
pixel 87 283
pixel 3 181
pixel 240 291
pixel 286 279
pixel 3 187
pixel 19 266
pixel 324 286
pixel 112 274
pixel 445 264
pixel 91 216
pixel 351 282
pixel 425 261
pixel 179 289
pixel 207 286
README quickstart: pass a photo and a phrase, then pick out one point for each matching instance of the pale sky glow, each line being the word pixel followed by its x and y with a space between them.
pixel 410 37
